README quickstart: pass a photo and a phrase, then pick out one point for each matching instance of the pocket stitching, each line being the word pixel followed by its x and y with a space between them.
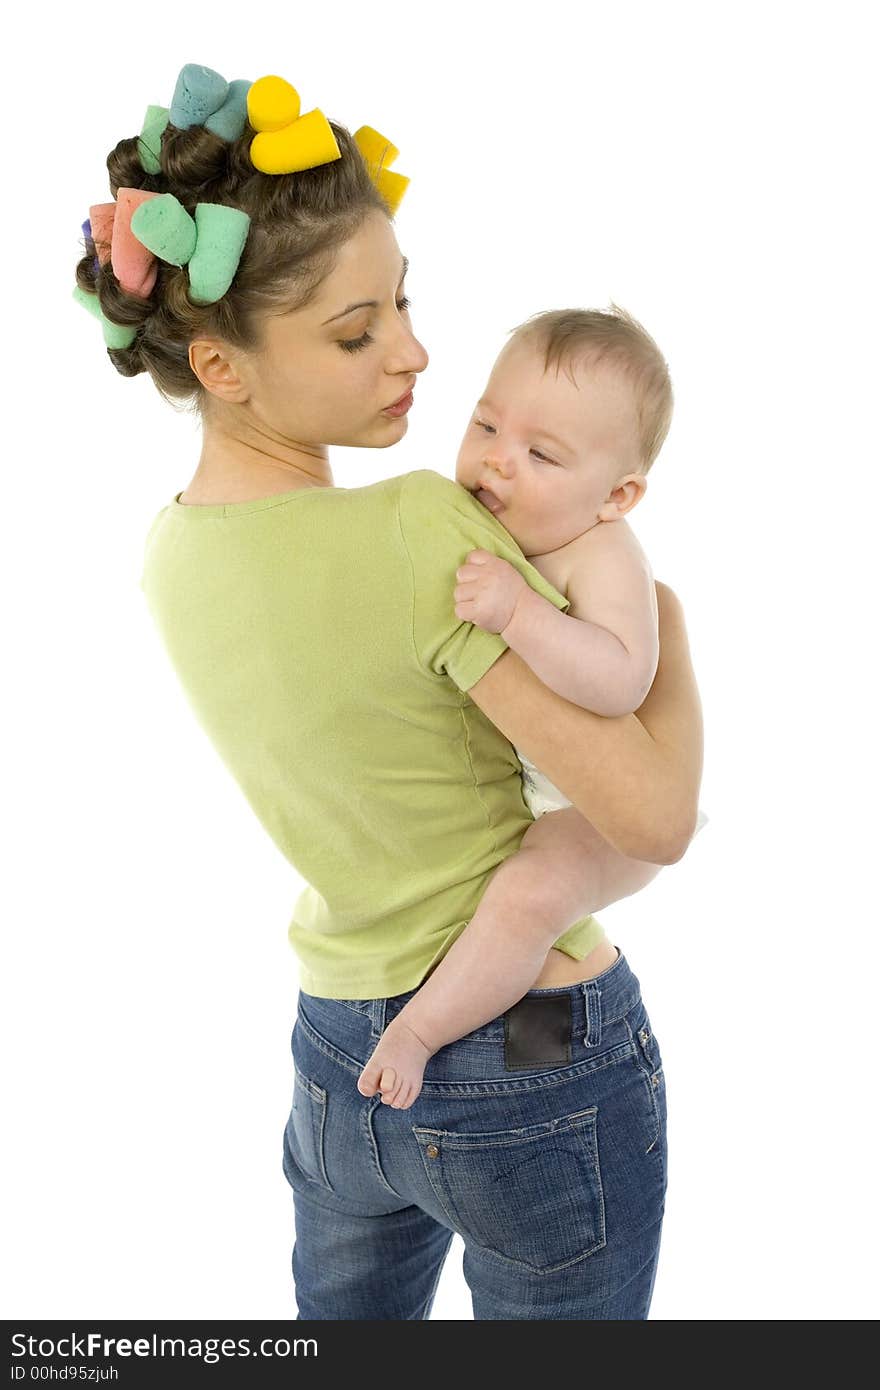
pixel 317 1096
pixel 587 1120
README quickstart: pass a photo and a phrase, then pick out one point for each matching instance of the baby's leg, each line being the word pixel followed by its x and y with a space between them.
pixel 582 872
pixel 562 851
pixel 562 871
pixel 525 894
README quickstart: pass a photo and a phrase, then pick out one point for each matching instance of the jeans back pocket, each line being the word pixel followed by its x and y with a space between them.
pixel 532 1195
pixel 305 1128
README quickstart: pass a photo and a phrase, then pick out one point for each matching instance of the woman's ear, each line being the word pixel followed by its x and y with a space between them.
pixel 210 361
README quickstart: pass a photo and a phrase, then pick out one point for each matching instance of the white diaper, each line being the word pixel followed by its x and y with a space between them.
pixel 541 795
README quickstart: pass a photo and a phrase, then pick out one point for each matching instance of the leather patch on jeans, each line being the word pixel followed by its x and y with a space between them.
pixel 538 1031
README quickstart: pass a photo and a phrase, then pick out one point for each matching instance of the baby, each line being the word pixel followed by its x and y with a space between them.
pixel 559 459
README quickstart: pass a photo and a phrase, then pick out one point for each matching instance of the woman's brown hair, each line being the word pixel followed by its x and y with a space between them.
pixel 298 223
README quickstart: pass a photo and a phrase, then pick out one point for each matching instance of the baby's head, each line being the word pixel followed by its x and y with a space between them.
pixel 564 452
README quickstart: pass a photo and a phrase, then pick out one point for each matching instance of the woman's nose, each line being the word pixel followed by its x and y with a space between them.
pixel 411 357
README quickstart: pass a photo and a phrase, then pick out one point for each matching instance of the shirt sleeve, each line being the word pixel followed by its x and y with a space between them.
pixel 441 523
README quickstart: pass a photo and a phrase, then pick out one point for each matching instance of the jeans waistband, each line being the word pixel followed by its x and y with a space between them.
pixel 595 1003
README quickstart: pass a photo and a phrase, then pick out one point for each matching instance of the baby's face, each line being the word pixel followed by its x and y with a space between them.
pixel 550 452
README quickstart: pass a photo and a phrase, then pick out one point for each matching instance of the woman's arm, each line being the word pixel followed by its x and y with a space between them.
pixel 636 777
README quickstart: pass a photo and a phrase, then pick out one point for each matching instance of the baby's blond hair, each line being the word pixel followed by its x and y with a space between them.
pixel 588 336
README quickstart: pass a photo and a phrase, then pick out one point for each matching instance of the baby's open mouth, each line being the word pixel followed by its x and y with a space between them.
pixel 488 499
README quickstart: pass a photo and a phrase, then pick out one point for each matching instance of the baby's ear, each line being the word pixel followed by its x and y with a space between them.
pixel 626 494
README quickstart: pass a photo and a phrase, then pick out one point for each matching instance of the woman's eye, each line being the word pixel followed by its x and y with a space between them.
pixel 354 344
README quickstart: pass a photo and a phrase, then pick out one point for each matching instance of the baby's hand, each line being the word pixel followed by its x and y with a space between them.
pixel 488 590
pixel 396 1067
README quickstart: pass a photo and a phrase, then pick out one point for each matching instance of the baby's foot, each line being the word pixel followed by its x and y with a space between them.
pixel 396 1067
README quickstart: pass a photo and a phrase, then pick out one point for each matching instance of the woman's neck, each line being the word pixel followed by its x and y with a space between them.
pixel 239 470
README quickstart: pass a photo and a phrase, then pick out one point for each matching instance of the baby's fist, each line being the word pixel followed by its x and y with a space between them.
pixel 488 590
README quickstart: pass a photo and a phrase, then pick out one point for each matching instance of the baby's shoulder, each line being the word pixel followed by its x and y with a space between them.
pixel 608 563
pixel 609 545
pixel 614 535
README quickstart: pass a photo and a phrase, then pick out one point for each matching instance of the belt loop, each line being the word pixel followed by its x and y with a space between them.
pixel 593 1010
pixel 377 1019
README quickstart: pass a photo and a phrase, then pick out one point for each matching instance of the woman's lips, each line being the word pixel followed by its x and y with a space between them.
pixel 489 500
pixel 402 406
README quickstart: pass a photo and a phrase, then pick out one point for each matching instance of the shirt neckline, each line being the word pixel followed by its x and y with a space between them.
pixel 213 510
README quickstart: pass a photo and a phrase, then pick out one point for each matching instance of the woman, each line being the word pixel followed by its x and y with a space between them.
pixel 312 629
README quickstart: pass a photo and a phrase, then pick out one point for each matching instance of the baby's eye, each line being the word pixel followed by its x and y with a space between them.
pixel 481 424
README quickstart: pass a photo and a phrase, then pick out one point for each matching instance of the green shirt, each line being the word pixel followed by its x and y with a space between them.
pixel 314 635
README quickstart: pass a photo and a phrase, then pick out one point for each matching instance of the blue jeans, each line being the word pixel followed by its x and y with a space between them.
pixel 540 1138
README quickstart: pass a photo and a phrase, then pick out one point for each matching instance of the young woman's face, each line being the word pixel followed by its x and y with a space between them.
pixel 549 451
pixel 325 376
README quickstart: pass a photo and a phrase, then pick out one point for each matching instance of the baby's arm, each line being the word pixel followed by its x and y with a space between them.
pixel 602 654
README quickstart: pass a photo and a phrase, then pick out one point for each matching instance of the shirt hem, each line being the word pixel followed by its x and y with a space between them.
pixel 578 941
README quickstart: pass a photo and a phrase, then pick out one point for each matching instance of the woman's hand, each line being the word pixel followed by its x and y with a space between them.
pixel 671 710
pixel 672 715
pixel 488 590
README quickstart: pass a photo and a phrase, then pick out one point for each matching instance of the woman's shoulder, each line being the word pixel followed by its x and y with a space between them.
pixel 436 507
pixel 427 482
pixel 426 493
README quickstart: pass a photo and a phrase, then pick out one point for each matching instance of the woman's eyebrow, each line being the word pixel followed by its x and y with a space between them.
pixel 365 303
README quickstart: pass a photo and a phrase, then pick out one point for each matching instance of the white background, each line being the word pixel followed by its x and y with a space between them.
pixel 713 170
